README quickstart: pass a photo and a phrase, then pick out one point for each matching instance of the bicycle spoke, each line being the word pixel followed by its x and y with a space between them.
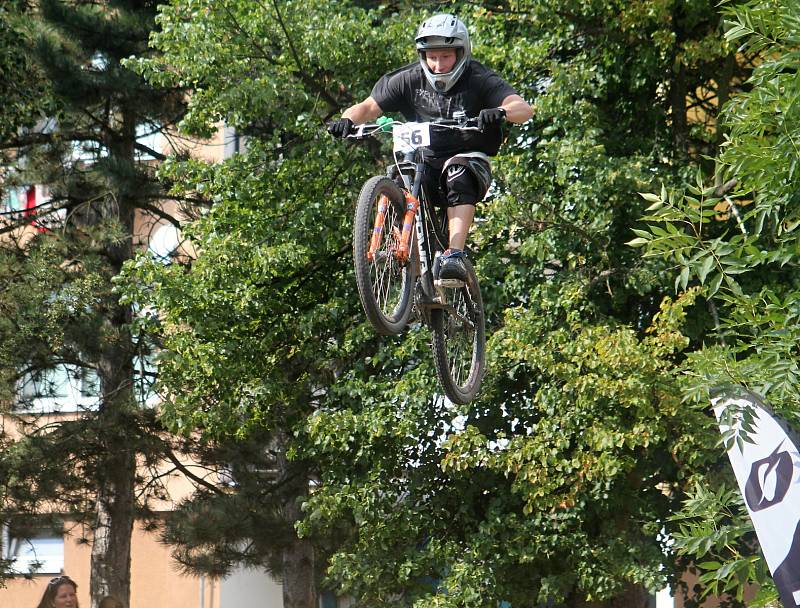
pixel 460 336
pixel 383 284
pixel 383 264
pixel 385 270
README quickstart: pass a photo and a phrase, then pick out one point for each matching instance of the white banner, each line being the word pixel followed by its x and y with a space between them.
pixel 766 463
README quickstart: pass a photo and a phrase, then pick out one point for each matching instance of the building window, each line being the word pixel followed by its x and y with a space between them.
pixel 64 388
pixel 328 600
pixel 36 552
pixel 235 142
pixel 15 199
pixel 150 136
pixel 31 203
pixel 144 377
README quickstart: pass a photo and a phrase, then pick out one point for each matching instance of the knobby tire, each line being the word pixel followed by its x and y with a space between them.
pixel 384 286
pixel 459 341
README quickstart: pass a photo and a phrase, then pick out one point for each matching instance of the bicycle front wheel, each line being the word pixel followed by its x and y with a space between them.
pixel 459 340
pixel 384 285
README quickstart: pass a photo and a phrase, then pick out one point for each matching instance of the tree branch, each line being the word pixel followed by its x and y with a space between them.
pixel 302 72
pixel 158 212
pixel 198 480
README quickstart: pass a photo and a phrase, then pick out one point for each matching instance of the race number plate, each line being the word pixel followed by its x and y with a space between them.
pixel 410 136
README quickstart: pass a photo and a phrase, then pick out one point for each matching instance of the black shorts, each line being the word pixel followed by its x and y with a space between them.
pixel 463 179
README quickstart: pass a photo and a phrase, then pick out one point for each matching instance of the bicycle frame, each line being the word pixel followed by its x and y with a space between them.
pixel 418 212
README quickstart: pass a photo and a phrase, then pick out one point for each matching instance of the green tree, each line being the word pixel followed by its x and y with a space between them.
pixel 24 95
pixel 58 263
pixel 739 243
pixel 558 481
pixel 252 331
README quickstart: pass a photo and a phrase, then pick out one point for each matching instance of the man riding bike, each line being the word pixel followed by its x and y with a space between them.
pixel 447 83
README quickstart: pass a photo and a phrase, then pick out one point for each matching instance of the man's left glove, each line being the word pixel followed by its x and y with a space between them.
pixel 491 116
pixel 341 128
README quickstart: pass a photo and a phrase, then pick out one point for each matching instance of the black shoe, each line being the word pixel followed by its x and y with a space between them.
pixel 452 267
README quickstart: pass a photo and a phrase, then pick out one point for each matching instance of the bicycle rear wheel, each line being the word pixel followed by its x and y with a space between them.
pixel 459 340
pixel 384 286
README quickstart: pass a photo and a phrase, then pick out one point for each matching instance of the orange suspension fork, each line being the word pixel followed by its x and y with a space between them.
pixel 403 248
pixel 375 242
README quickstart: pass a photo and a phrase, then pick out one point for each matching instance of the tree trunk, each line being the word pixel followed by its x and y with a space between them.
pixel 114 516
pixel 677 101
pixel 633 596
pixel 299 573
pixel 115 499
pixel 723 94
pixel 116 492
pixel 299 587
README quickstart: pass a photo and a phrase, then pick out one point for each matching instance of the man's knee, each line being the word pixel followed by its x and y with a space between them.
pixel 461 186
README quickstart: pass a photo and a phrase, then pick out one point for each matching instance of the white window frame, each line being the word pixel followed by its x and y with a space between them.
pixel 72 391
pixel 40 552
pixel 150 135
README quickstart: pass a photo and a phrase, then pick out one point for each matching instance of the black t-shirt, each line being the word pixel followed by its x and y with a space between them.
pixel 408 91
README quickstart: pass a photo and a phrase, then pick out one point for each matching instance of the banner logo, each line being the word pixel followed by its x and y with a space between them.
pixel 776 468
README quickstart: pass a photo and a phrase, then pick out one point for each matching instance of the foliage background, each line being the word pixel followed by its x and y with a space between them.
pixel 592 429
pixel 558 482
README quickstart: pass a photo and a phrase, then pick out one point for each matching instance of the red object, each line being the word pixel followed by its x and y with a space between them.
pixel 30 208
pixel 30 202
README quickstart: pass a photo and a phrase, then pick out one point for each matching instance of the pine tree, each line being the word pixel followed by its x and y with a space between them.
pixel 58 262
pixel 23 94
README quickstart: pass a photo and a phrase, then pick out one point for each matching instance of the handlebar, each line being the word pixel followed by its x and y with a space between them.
pixel 457 124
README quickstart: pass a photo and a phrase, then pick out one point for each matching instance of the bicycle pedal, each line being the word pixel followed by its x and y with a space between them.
pixel 449 283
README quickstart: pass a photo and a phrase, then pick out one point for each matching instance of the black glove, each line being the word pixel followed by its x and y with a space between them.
pixel 341 128
pixel 491 116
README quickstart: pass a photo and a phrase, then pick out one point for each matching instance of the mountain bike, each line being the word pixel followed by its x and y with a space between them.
pixel 398 237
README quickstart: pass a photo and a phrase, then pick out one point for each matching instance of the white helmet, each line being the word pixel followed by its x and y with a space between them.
pixel 444 32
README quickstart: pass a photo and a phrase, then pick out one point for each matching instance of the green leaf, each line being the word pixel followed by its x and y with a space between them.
pixel 705 267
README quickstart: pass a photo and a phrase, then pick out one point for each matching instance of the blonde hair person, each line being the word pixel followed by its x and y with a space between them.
pixel 61 592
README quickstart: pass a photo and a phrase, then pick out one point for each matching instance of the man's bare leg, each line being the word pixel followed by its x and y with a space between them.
pixel 459 220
